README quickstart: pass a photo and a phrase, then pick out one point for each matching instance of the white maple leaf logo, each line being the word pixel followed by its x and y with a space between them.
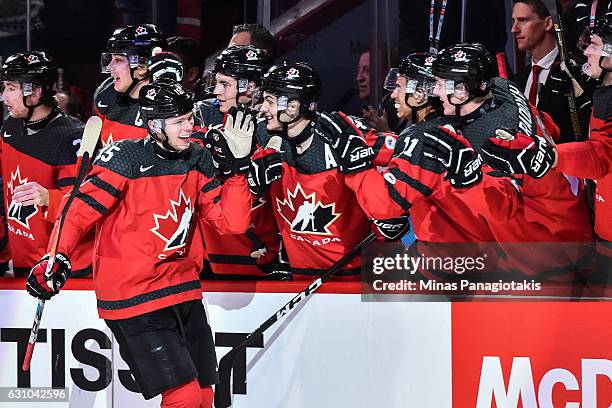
pixel 171 229
pixel 17 212
pixel 305 214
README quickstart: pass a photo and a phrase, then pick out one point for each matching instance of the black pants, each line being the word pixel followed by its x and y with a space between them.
pixel 167 347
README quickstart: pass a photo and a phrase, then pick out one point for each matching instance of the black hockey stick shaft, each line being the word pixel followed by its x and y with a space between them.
pixel 84 164
pixel 555 12
pixel 91 134
pixel 223 394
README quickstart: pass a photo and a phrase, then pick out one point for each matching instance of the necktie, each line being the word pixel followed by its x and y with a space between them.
pixel 533 91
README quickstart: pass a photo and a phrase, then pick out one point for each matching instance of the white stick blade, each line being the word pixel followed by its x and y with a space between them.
pixel 91 134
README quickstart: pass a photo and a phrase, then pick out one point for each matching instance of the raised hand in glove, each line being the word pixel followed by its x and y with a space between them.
pixel 455 153
pixel 517 153
pixel 223 158
pixel 238 130
pixel 266 166
pixel 43 287
pixel 165 65
pixel 345 136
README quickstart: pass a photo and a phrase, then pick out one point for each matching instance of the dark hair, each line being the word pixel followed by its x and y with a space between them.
pixel 261 37
pixel 188 50
pixel 537 6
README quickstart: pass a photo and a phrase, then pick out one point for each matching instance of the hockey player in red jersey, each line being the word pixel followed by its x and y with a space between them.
pixel 143 196
pixel 238 71
pixel 313 207
pixel 116 99
pixel 412 181
pixel 592 159
pixel 39 145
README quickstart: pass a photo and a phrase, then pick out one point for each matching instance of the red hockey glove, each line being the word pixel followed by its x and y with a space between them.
pixel 41 287
pixel 455 153
pixel 391 229
pixel 266 167
pixel 517 153
pixel 345 136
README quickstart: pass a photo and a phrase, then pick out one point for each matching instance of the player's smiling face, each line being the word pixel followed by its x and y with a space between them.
pixel 119 68
pixel 269 110
pixel 440 91
pixel 12 95
pixel 399 96
pixel 179 130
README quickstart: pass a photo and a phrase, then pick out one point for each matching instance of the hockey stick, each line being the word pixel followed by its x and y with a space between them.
pixel 91 134
pixel 223 394
pixel 555 11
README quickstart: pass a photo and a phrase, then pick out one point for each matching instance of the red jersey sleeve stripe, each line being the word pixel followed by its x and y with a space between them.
pixel 92 202
pixel 66 182
pixel 103 185
pixel 412 182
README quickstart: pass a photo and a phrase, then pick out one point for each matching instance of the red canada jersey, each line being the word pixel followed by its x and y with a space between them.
pixel 143 207
pixel 120 115
pixel 413 184
pixel 231 254
pixel 48 157
pixel 315 210
pixel 592 159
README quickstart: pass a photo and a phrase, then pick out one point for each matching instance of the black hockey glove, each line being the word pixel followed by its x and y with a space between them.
pixel 391 229
pixel 266 166
pixel 517 153
pixel 41 287
pixel 455 153
pixel 165 65
pixel 345 136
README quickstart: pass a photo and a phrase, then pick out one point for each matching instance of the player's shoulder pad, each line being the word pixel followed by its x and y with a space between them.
pixel 68 132
pixel 123 156
pixel 262 136
pixel 208 113
pixel 105 95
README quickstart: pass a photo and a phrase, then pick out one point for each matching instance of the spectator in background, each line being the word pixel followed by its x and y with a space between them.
pixel 383 117
pixel 545 84
pixel 70 105
pixel 190 53
pixel 255 35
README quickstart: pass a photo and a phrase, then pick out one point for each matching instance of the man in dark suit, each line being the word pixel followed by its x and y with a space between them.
pixel 545 83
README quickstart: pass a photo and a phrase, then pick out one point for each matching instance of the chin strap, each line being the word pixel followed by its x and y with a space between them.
pixel 163 149
pixel 302 137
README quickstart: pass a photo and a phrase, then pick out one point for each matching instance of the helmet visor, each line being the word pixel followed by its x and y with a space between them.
pixel 108 58
pixel 391 79
pixel 421 89
pixel 591 43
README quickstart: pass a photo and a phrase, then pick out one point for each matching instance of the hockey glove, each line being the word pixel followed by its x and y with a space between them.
pixel 269 262
pixel 266 167
pixel 223 158
pixel 517 153
pixel 41 287
pixel 345 136
pixel 165 65
pixel 391 229
pixel 238 131
pixel 455 153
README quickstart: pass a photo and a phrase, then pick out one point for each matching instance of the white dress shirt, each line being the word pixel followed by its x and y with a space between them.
pixel 546 62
